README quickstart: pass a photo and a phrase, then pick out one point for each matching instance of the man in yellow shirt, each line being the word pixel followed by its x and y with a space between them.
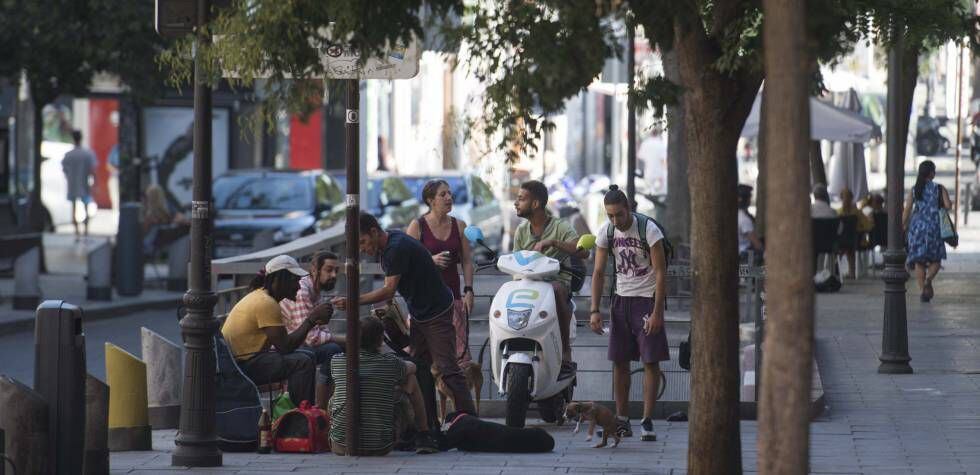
pixel 256 333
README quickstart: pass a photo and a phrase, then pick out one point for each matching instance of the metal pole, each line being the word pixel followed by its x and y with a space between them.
pixel 197 443
pixel 895 340
pixel 351 266
pixel 959 135
pixel 630 114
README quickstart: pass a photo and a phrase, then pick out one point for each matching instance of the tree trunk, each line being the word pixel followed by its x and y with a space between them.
pixel 818 173
pixel 784 405
pixel 715 108
pixel 678 218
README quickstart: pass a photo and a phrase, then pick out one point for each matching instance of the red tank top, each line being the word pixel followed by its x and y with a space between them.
pixel 453 244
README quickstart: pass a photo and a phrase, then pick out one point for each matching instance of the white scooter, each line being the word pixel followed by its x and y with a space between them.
pixel 525 339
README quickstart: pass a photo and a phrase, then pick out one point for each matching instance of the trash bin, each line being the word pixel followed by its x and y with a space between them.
pixel 59 377
pixel 129 251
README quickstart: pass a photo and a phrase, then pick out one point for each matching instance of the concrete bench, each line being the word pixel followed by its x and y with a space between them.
pixel 25 251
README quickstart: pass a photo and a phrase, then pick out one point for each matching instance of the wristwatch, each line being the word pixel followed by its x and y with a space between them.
pixel 468 288
pixel 594 311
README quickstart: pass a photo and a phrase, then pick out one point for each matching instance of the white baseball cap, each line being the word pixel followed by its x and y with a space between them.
pixel 279 263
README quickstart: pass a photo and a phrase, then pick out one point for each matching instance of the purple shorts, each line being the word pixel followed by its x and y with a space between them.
pixel 627 341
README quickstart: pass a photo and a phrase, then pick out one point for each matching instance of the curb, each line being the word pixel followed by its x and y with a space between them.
pixel 102 312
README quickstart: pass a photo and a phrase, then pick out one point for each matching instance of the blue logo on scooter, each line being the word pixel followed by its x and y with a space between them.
pixel 526 257
pixel 522 299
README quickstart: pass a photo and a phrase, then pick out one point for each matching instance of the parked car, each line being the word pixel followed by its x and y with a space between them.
pixel 397 200
pixel 473 202
pixel 257 209
pixel 388 198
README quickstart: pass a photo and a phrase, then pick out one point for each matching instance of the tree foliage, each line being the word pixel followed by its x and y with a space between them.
pixel 62 44
pixel 532 56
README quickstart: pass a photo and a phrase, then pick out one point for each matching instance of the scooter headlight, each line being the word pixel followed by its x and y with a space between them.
pixel 517 319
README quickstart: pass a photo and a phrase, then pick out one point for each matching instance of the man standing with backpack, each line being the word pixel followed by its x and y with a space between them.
pixel 639 250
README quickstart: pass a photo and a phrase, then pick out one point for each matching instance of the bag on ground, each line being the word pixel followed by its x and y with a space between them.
pixel 684 353
pixel 825 281
pixel 281 405
pixel 302 430
pixel 237 404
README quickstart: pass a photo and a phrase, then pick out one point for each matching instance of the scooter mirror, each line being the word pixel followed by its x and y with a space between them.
pixel 587 241
pixel 473 234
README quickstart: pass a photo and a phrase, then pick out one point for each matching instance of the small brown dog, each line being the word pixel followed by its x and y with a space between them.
pixel 596 414
pixel 473 373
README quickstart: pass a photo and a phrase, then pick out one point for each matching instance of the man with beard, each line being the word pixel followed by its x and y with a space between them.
pixel 319 343
pixel 555 238
pixel 410 271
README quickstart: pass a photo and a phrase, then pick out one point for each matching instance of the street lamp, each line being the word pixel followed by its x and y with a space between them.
pixel 197 443
pixel 895 337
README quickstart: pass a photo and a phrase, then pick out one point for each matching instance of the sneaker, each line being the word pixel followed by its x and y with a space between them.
pixel 568 369
pixel 646 431
pixel 426 444
pixel 624 427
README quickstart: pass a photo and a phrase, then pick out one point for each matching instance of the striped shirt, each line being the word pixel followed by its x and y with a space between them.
pixel 380 373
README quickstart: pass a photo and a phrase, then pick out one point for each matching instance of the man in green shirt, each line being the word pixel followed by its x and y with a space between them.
pixel 555 238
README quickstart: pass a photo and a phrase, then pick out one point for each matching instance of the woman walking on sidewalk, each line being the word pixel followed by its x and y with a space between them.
pixel 926 249
pixel 441 235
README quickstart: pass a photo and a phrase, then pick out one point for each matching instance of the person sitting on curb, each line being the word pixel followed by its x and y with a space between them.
pixel 256 333
pixel 385 379
pixel 320 343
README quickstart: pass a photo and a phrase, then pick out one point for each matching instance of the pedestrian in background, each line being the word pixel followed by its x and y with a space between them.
pixel 79 167
pixel 441 234
pixel 864 225
pixel 162 224
pixel 920 219
pixel 748 239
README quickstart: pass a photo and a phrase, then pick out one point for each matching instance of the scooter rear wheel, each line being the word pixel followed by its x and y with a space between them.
pixel 552 410
pixel 518 394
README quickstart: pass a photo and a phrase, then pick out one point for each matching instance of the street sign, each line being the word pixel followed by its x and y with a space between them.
pixel 343 62
pixel 173 18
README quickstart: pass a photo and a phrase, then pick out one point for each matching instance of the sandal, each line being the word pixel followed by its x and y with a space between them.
pixel 927 291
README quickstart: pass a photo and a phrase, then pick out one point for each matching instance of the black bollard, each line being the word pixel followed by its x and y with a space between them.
pixel 59 377
pixel 129 251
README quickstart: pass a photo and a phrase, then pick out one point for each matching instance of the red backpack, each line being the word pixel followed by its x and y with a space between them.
pixel 304 429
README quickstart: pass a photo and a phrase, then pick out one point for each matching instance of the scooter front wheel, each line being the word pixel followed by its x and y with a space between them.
pixel 518 394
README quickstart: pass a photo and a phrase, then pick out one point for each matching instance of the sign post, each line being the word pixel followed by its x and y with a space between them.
pixel 343 63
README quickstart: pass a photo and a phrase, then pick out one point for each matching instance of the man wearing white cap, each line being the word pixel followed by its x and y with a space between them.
pixel 256 333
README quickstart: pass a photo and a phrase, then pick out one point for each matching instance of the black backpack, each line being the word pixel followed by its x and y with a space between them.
pixel 236 403
pixel 641 228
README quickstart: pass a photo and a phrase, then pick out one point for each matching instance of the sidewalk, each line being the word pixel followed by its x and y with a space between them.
pixel 927 422
pixel 65 280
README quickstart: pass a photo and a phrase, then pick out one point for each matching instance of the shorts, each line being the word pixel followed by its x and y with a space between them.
pixel 627 341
